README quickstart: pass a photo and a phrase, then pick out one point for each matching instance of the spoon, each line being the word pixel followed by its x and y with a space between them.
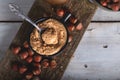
pixel 15 9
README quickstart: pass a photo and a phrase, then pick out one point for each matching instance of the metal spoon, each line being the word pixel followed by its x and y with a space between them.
pixel 14 8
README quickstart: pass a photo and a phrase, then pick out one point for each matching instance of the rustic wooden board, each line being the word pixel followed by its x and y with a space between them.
pixel 82 9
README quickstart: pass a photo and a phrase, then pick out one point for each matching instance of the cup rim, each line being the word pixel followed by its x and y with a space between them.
pixel 42 20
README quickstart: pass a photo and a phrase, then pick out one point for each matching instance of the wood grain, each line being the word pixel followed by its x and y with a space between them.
pixel 83 10
pixel 102 63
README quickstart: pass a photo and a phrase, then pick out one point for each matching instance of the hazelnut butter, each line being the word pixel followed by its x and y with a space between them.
pixel 53 38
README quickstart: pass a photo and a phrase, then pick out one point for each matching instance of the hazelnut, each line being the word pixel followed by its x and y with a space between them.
pixel 71 27
pixel 30 52
pixel 16 50
pixel 29 59
pixel 53 64
pixel 73 20
pixel 25 44
pixel 37 58
pixel 60 12
pixel 23 55
pixel 15 67
pixel 45 63
pixel 22 69
pixel 103 3
pixel 115 7
pixel 70 38
pixel 37 65
pixel 37 71
pixel 79 26
pixel 28 76
pixel 115 1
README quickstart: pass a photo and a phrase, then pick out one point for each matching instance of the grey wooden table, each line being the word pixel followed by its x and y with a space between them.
pixel 97 56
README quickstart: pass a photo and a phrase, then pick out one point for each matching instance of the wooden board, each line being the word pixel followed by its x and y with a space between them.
pixel 83 10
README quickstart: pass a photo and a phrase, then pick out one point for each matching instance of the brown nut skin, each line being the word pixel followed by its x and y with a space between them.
pixel 25 44
pixel 30 52
pixel 29 76
pixel 71 27
pixel 37 58
pixel 16 50
pixel 45 63
pixel 73 20
pixel 79 26
pixel 60 12
pixel 23 55
pixel 37 71
pixel 115 1
pixel 115 7
pixel 29 59
pixel 53 64
pixel 22 69
pixel 37 65
pixel 103 3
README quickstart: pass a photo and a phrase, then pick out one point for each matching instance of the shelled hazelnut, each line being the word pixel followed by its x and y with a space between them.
pixel 22 69
pixel 23 55
pixel 45 63
pixel 29 59
pixel 37 58
pixel 16 50
pixel 60 12
pixel 53 64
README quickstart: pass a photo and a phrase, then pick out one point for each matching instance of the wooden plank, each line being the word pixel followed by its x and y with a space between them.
pixel 40 8
pixel 5 13
pixel 103 15
pixel 92 61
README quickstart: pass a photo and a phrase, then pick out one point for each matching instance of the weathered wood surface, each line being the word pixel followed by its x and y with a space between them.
pixel 83 11
pixel 6 15
pixel 91 60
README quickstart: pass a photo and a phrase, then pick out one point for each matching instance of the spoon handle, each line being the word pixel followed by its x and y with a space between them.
pixel 14 8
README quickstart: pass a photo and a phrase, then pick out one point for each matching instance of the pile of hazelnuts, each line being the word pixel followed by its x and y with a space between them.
pixel 110 4
pixel 72 22
pixel 31 64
